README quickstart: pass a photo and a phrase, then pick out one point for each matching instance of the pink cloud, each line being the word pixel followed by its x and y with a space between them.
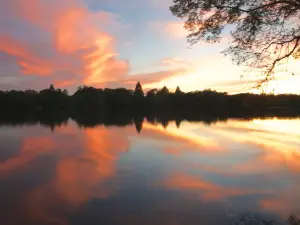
pixel 27 60
pixel 65 44
pixel 66 38
pixel 145 78
pixel 206 190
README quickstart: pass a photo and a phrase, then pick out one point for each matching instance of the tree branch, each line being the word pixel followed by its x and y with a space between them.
pixel 270 71
pixel 259 7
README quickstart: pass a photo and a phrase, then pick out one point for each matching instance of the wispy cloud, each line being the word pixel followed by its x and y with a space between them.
pixel 47 37
pixel 145 78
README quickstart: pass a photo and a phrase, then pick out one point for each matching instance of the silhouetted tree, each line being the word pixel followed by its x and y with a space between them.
pixel 164 123
pixel 52 87
pixel 52 127
pixel 293 220
pixel 264 32
pixel 164 90
pixel 65 92
pixel 139 90
pixel 90 105
pixel 178 122
pixel 178 91
pixel 138 122
pixel 152 93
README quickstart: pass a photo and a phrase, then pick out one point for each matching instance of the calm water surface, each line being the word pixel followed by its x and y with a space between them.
pixel 195 174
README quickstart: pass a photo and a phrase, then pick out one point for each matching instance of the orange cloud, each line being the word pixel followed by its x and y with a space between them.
pixel 74 42
pixel 191 141
pixel 146 79
pixel 286 203
pixel 172 151
pixel 207 191
pixel 80 175
pixel 29 63
pixel 64 83
pixel 30 149
pixel 275 153
pixel 77 176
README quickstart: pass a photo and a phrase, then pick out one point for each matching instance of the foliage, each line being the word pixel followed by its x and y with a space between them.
pixel 51 87
pixel 139 90
pixel 163 91
pixel 152 93
pixel 178 91
pixel 90 106
pixel 264 33
pixel 113 101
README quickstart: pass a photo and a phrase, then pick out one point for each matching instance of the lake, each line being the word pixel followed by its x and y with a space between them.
pixel 177 174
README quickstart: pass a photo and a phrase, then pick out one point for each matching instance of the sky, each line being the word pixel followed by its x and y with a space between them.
pixel 114 43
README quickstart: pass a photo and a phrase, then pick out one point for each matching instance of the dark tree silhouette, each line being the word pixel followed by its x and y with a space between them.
pixel 89 105
pixel 178 91
pixel 65 92
pixel 178 122
pixel 52 87
pixel 264 32
pixel 152 93
pixel 293 220
pixel 164 90
pixel 139 90
pixel 138 122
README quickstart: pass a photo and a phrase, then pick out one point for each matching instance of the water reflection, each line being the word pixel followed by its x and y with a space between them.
pixel 148 173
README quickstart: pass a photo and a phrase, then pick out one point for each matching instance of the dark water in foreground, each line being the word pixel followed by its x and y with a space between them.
pixel 195 174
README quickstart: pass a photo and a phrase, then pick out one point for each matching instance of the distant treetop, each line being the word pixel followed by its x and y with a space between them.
pixel 164 90
pixel 52 87
pixel 138 90
pixel 178 91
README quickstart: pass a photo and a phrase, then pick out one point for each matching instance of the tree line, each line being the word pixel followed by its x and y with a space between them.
pixel 90 106
pixel 161 102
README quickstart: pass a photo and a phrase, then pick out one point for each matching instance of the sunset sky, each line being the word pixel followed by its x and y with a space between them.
pixel 113 43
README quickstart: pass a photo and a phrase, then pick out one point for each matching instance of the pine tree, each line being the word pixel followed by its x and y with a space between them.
pixel 52 87
pixel 178 91
pixel 164 90
pixel 139 90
